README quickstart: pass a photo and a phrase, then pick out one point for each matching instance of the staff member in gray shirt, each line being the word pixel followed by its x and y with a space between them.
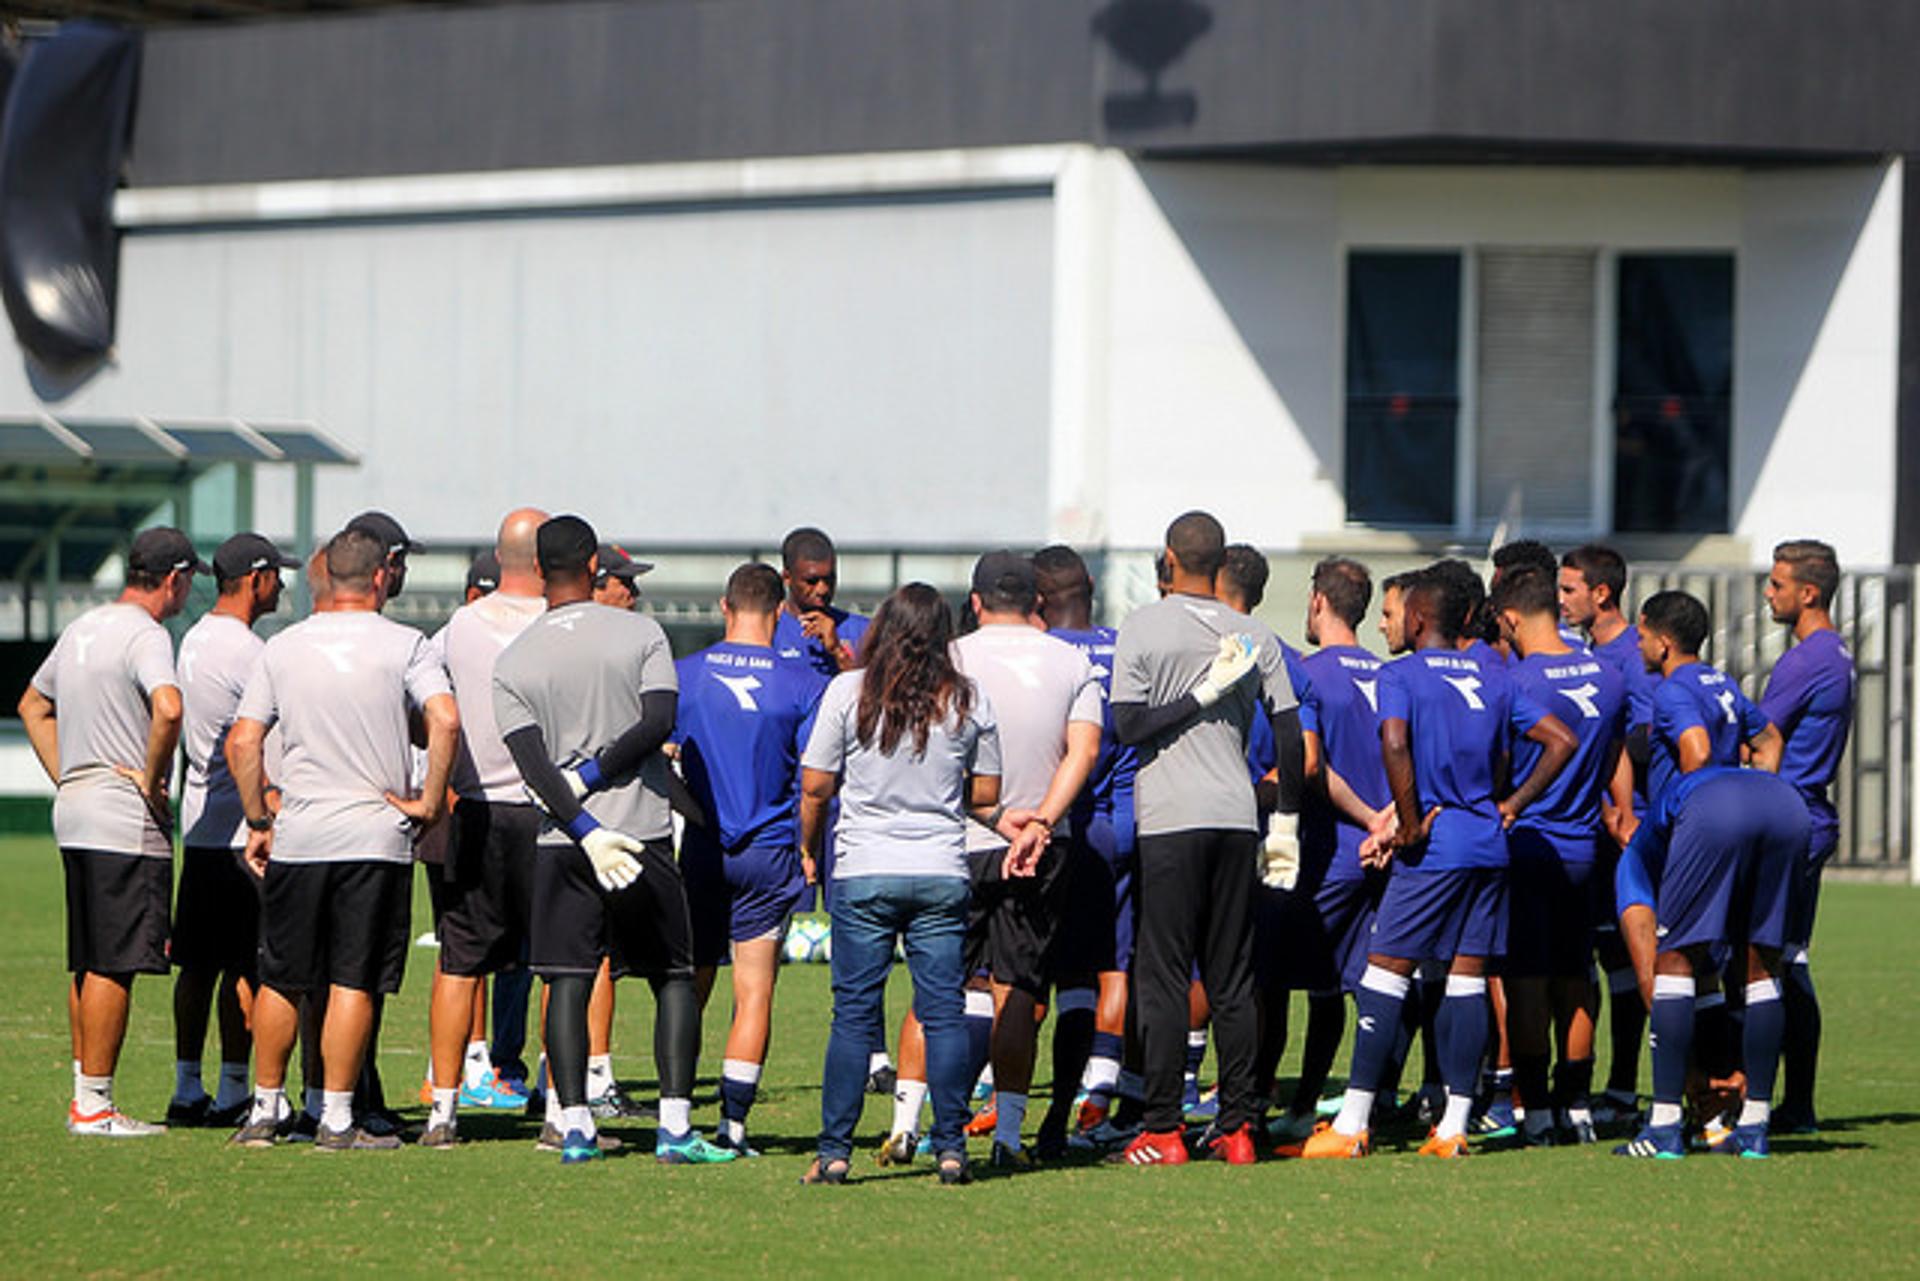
pixel 103 715
pixel 1189 676
pixel 584 698
pixel 337 859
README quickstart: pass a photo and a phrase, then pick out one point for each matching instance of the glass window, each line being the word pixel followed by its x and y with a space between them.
pixel 1403 386
pixel 1673 381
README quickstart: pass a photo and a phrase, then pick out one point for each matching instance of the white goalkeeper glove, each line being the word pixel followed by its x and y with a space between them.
pixel 612 855
pixel 1280 852
pixel 1230 665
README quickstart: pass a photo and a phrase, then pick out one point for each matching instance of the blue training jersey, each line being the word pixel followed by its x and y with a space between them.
pixel 1341 706
pixel 743 721
pixel 793 644
pixel 1622 654
pixel 1262 752
pixel 1586 695
pixel 1487 656
pixel 1462 720
pixel 1809 699
pixel 1697 695
pixel 1110 787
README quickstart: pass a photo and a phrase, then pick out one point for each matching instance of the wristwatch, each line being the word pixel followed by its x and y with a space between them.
pixel 261 824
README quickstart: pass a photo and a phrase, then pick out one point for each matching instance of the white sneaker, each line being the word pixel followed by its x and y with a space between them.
pixel 110 1124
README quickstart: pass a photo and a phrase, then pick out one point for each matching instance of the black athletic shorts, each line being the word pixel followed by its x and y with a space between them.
pixel 1012 925
pixel 644 929
pixel 340 924
pixel 486 887
pixel 216 912
pixel 117 912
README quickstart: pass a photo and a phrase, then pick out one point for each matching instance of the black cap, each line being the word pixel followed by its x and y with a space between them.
pixel 163 549
pixel 387 530
pixel 484 573
pixel 1004 573
pixel 244 553
pixel 616 563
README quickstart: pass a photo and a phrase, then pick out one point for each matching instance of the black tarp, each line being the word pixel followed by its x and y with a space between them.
pixel 68 117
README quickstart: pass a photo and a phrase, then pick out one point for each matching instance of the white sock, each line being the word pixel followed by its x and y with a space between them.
pixel 1102 1074
pixel 736 1132
pixel 187 1087
pixel 908 1098
pixel 1580 1114
pixel 475 1066
pixel 877 1060
pixel 553 1107
pixel 93 1094
pixel 443 1101
pixel 1664 1114
pixel 336 1110
pixel 1355 1111
pixel 1010 1117
pixel 676 1115
pixel 1453 1122
pixel 1756 1112
pixel 269 1105
pixel 580 1118
pixel 311 1102
pixel 233 1086
pixel 599 1074
pixel 76 1078
pixel 539 1083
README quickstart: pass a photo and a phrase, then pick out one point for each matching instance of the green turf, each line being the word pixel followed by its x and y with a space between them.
pixel 187 1205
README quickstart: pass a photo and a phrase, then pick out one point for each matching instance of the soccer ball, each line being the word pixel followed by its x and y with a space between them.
pixel 809 939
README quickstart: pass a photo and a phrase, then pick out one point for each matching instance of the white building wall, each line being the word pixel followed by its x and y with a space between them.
pixel 687 374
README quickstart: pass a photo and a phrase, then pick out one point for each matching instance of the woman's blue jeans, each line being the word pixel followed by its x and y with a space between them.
pixel 929 913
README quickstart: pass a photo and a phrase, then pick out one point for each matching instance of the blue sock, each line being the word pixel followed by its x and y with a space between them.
pixel 1670 1029
pixel 979 1033
pixel 1461 1028
pixel 736 1098
pixel 1801 1049
pixel 1377 1003
pixel 1760 1045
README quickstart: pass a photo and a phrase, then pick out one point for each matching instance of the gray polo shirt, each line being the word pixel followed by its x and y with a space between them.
pixel 1196 776
pixel 216 657
pixel 901 813
pixel 1037 684
pixel 469 645
pixel 578 673
pixel 340 686
pixel 100 677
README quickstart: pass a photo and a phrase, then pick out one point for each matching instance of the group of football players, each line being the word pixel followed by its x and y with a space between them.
pixel 1535 797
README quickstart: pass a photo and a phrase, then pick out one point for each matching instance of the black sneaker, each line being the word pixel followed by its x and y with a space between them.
pixel 883 1080
pixel 617 1105
pixel 383 1123
pixel 1011 1160
pixel 228 1117
pixel 189 1116
pixel 953 1169
pixel 355 1138
pixel 305 1126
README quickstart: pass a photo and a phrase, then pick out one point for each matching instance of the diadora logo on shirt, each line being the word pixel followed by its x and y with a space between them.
pixel 1198 611
pixel 564 622
pixel 741 687
pixel 1023 666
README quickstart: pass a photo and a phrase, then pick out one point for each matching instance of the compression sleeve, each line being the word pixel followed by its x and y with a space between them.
pixel 1136 723
pixel 1290 758
pixel 528 747
pixel 643 738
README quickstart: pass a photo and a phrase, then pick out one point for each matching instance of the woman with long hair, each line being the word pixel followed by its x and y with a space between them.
pixel 908 743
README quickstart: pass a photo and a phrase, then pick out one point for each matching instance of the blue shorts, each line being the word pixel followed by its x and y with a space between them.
pixel 1803 900
pixel 1096 925
pixel 1438 915
pixel 1730 864
pixel 736 897
pixel 1550 909
pixel 1314 938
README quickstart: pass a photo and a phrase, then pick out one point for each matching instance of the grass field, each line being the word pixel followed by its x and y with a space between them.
pixel 1847 1202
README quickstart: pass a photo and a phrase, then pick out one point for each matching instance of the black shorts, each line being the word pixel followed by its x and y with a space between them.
pixel 1090 939
pixel 117 912
pixel 486 887
pixel 644 929
pixel 339 924
pixel 216 912
pixel 1012 925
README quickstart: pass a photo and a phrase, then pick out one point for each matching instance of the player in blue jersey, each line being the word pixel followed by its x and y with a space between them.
pixel 1553 851
pixel 742 722
pixel 1327 918
pixel 1527 553
pixel 1593 585
pixel 1447 727
pixel 1476 632
pixel 811 629
pixel 1715 854
pixel 1095 948
pixel 1700 717
pixel 1809 698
